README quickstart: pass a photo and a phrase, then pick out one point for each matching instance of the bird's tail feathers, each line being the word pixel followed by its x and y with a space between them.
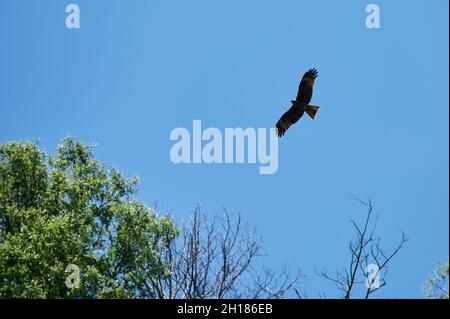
pixel 311 110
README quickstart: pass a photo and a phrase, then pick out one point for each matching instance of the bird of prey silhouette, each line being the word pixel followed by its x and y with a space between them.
pixel 300 105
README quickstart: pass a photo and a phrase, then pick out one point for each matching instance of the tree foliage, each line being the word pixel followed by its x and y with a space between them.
pixel 70 209
pixel 436 286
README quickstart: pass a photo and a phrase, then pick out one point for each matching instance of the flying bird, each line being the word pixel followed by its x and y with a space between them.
pixel 300 105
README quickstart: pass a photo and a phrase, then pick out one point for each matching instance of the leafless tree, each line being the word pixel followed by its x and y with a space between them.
pixel 365 250
pixel 215 258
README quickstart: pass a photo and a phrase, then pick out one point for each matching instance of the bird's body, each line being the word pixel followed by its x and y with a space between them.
pixel 300 105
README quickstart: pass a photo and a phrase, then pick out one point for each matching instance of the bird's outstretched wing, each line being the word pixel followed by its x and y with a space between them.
pixel 305 89
pixel 288 119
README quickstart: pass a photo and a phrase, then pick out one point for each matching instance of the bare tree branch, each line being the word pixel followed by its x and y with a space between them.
pixel 214 258
pixel 364 251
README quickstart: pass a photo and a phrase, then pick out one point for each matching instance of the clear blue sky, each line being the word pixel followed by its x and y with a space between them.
pixel 137 69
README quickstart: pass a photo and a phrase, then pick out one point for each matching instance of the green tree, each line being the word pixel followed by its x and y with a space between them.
pixel 436 286
pixel 70 209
